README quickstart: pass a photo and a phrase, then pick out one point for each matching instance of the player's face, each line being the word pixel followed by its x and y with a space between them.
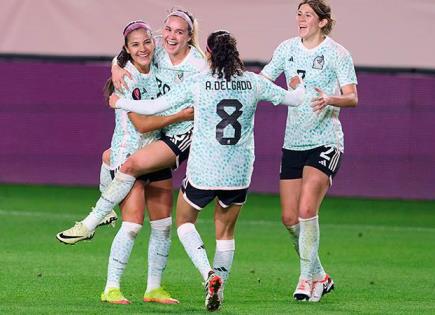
pixel 140 46
pixel 176 36
pixel 309 24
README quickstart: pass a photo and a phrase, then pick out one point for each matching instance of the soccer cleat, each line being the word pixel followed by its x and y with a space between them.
pixel 303 290
pixel 77 233
pixel 159 295
pixel 109 219
pixel 114 296
pixel 213 292
pixel 321 288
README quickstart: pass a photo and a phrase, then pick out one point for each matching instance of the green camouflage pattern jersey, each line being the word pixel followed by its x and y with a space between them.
pixel 126 139
pixel 170 76
pixel 328 66
pixel 222 150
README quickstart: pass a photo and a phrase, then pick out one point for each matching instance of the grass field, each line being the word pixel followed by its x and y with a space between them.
pixel 379 252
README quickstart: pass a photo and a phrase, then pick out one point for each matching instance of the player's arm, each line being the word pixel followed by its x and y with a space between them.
pixel 348 98
pixel 144 107
pixel 118 74
pixel 271 92
pixel 144 123
pixel 276 65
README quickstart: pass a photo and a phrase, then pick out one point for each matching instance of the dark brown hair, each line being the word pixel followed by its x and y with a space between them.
pixel 225 59
pixel 323 10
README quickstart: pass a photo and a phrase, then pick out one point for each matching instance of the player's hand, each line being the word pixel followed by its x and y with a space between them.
pixel 318 103
pixel 118 74
pixel 186 114
pixel 294 82
pixel 113 99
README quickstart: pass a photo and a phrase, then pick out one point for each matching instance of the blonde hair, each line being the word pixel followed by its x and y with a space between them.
pixel 193 31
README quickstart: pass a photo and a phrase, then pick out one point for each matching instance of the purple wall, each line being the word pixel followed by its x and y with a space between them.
pixel 54 126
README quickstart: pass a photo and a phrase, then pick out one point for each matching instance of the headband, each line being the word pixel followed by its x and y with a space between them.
pixel 134 25
pixel 182 15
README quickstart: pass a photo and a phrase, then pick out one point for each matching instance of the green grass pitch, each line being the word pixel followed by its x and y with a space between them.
pixel 380 254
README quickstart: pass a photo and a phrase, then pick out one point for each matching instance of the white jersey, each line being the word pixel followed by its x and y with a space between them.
pixel 126 139
pixel 222 149
pixel 328 66
pixel 170 75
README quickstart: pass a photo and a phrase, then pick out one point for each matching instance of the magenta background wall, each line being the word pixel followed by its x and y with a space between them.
pixel 54 126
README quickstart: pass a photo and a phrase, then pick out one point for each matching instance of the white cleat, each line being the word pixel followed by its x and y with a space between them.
pixel 303 290
pixel 321 288
pixel 77 233
pixel 109 219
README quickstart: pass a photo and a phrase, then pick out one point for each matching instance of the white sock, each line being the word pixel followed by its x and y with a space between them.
pixel 158 251
pixel 113 195
pixel 105 178
pixel 223 258
pixel 194 247
pixel 308 245
pixel 294 231
pixel 120 251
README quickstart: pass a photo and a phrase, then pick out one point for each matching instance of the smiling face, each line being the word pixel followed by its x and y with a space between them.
pixel 140 46
pixel 309 24
pixel 176 36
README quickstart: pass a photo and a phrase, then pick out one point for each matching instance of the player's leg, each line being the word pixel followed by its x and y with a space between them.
pixel 105 179
pixel 152 157
pixel 132 208
pixel 290 190
pixel 315 184
pixel 323 164
pixel 226 213
pixel 159 204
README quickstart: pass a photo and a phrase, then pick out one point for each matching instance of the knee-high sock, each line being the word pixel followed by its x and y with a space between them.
pixel 194 247
pixel 113 195
pixel 105 178
pixel 308 245
pixel 120 251
pixel 223 258
pixel 318 271
pixel 158 251
pixel 294 231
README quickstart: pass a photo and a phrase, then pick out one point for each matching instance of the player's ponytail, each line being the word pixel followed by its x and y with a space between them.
pixel 224 56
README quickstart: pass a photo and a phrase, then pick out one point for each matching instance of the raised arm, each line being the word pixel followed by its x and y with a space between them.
pixel 118 74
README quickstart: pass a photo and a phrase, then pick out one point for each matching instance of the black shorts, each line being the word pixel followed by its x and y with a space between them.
pixel 180 145
pixel 325 158
pixel 199 198
pixel 156 176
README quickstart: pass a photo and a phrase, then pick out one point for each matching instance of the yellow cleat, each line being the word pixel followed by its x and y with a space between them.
pixel 114 296
pixel 159 295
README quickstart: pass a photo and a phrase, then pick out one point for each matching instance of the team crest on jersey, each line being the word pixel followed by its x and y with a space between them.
pixel 180 76
pixel 319 62
pixel 136 94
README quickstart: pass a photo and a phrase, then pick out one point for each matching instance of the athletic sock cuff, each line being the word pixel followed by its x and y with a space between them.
pixel 185 229
pixel 225 245
pixel 161 224
pixel 131 227
pixel 124 177
pixel 308 219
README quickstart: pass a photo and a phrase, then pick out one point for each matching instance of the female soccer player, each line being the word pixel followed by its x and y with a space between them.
pixel 154 190
pixel 222 151
pixel 313 143
pixel 179 59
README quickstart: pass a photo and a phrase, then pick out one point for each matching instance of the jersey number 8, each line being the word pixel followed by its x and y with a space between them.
pixel 228 120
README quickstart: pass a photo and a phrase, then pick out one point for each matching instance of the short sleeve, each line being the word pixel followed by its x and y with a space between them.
pixel 276 65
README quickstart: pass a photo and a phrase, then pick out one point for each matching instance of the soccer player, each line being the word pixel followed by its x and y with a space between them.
pixel 178 57
pixel 132 131
pixel 222 151
pixel 313 142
